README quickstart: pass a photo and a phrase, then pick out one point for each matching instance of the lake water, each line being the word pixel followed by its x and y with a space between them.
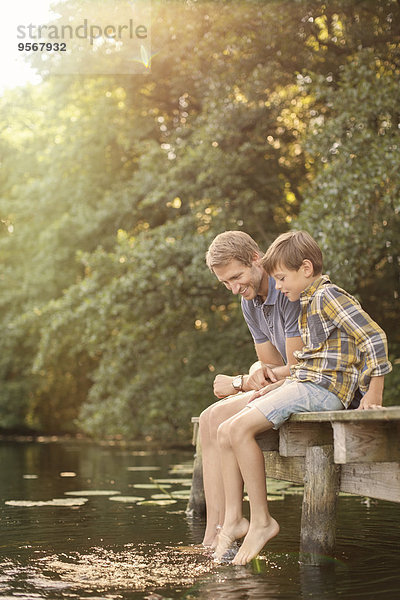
pixel 87 545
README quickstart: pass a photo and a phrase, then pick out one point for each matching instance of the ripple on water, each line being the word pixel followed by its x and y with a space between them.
pixel 101 569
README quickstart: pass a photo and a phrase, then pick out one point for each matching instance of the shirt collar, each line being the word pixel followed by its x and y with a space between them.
pixel 272 295
pixel 314 286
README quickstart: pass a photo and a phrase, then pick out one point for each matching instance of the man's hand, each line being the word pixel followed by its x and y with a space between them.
pixel 260 378
pixel 223 386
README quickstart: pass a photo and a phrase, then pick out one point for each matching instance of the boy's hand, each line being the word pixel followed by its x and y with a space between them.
pixel 373 398
pixel 263 391
pixel 259 379
pixel 370 400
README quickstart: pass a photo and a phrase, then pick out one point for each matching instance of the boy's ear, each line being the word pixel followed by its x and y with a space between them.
pixel 308 267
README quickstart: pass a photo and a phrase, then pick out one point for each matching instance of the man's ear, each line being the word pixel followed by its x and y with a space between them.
pixel 256 258
pixel 308 267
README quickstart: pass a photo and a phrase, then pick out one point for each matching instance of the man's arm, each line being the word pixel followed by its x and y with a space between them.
pixel 266 353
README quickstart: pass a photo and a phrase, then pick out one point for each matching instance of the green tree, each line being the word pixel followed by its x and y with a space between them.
pixel 112 188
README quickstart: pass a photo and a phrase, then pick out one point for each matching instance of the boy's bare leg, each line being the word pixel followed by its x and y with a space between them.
pixel 210 420
pixel 243 429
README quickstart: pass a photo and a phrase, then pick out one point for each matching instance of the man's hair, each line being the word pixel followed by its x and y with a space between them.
pixel 232 245
pixel 290 249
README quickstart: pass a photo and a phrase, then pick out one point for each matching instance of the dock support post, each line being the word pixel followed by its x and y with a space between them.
pixel 197 504
pixel 318 519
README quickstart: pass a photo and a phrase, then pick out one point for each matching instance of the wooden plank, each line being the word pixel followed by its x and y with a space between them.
pixel 376 480
pixel 288 469
pixel 390 413
pixel 318 517
pixel 363 442
pixel 295 438
pixel 269 440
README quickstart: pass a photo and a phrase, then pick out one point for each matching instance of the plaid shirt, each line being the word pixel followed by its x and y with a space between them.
pixel 343 346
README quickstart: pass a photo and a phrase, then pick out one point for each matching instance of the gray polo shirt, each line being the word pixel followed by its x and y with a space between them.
pixel 273 320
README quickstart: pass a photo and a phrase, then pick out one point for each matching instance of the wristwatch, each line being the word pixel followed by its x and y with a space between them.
pixel 237 383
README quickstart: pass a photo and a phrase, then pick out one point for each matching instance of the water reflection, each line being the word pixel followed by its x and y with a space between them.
pixel 103 548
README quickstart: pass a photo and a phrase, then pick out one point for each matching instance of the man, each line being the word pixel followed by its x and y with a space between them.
pixel 235 259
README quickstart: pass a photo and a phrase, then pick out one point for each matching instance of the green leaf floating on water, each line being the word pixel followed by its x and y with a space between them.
pixel 92 493
pixel 157 502
pixel 293 491
pixel 181 494
pixel 149 486
pixel 181 469
pixel 160 497
pixel 143 469
pixel 184 482
pixel 54 502
pixel 127 499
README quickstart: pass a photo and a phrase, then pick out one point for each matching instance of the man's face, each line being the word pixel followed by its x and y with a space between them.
pixel 241 279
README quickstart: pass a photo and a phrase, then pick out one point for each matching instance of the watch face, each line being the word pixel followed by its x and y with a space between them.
pixel 237 383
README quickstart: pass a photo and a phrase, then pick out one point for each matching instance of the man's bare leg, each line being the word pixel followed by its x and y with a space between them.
pixel 243 429
pixel 213 492
pixel 210 420
pixel 235 524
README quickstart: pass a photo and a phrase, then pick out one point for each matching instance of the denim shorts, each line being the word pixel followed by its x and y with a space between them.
pixel 295 397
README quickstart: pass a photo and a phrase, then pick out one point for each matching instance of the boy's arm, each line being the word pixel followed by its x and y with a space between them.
pixel 373 398
pixel 293 344
pixel 347 314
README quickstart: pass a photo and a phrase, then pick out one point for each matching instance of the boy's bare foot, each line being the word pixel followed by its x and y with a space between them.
pixel 255 541
pixel 228 535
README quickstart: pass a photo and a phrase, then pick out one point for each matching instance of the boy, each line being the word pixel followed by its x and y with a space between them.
pixel 343 349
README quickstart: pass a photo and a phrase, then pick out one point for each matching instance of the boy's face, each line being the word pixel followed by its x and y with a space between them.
pixel 291 282
pixel 241 279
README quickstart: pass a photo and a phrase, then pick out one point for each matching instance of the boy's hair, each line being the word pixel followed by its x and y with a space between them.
pixel 290 249
pixel 232 245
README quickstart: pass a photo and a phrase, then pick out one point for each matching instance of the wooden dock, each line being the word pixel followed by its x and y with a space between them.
pixel 351 451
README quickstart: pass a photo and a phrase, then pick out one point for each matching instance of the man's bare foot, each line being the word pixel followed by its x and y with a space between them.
pixel 214 543
pixel 210 539
pixel 255 541
pixel 228 535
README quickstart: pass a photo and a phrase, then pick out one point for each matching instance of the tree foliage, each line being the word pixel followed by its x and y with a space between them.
pixel 257 116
